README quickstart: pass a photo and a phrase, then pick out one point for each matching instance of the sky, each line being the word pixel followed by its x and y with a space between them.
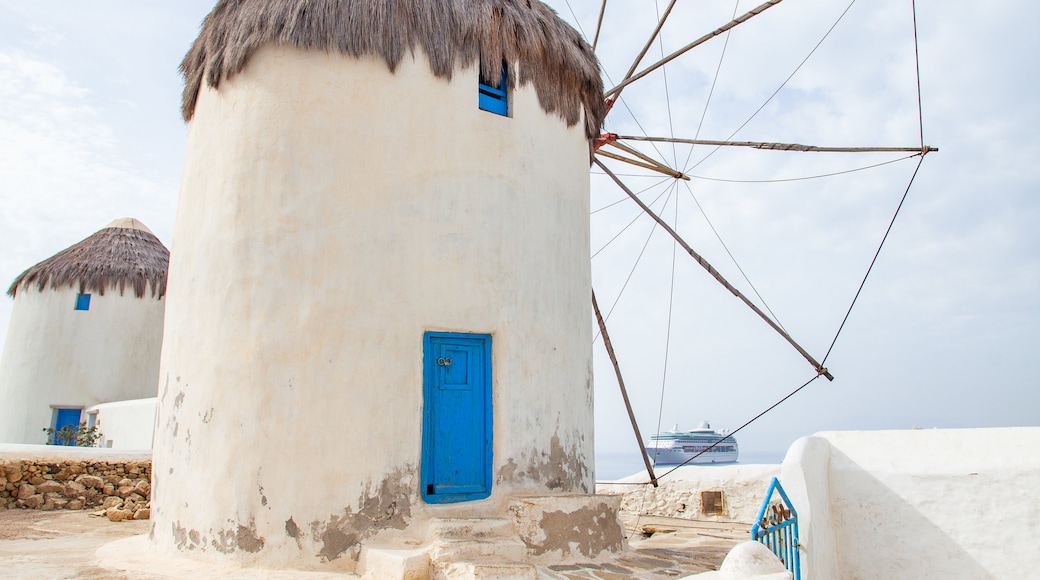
pixel 944 334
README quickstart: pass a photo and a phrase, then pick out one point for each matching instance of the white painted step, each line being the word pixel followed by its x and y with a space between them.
pixel 485 571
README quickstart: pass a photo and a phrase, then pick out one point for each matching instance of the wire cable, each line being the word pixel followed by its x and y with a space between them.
pixel 738 429
pixel 873 261
pixel 782 85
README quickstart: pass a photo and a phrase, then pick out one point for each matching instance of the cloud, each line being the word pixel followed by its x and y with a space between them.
pixel 63 176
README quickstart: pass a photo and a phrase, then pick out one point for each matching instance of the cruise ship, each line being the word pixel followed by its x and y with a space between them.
pixel 675 447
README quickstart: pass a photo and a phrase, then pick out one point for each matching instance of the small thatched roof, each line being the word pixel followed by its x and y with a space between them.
pixel 123 253
pixel 452 33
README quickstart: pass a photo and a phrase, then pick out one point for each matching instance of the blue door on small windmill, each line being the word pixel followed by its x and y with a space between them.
pixel 65 418
pixel 456 440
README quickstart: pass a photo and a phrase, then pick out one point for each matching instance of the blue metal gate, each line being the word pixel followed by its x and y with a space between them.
pixel 777 528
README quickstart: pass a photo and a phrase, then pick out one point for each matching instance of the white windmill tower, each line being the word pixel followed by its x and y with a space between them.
pixel 86 328
pixel 379 299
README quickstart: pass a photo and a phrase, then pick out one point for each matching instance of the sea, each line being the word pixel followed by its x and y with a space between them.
pixel 615 465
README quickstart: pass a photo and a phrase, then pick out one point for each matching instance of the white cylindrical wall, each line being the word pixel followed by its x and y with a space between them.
pixel 331 212
pixel 57 356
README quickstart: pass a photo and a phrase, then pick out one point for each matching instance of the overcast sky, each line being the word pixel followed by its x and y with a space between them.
pixel 945 333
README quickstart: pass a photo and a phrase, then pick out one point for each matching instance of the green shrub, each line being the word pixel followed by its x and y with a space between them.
pixel 81 436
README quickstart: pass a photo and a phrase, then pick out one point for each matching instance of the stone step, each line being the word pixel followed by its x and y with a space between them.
pixel 508 549
pixel 484 571
pixel 470 528
pixel 378 562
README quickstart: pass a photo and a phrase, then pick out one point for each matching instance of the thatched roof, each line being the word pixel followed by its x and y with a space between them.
pixel 452 33
pixel 123 253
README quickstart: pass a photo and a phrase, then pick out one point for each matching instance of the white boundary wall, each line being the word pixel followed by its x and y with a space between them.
pixel 917 504
pixel 126 424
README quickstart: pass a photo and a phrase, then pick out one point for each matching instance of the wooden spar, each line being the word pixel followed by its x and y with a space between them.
pixel 624 393
pixel 649 42
pixel 780 146
pixel 614 92
pixel 599 24
pixel 715 274
pixel 661 167
pixel 652 167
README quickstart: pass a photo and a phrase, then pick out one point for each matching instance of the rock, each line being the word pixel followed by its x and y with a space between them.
pixel 50 487
pixel 74 505
pixel 92 496
pixel 14 477
pixel 138 498
pixel 142 514
pixel 111 502
pixel 74 489
pixel 25 490
pixel 115 514
pixel 90 481
pixel 143 487
pixel 125 482
pixel 60 504
pixel 36 480
pixel 125 491
pixel 108 489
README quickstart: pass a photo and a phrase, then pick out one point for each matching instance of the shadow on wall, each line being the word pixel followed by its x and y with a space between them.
pixel 879 533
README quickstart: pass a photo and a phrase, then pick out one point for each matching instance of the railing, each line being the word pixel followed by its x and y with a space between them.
pixel 777 528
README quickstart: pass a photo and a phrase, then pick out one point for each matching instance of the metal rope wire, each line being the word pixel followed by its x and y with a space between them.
pixel 782 85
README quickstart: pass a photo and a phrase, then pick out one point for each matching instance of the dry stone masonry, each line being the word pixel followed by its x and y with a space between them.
pixel 121 488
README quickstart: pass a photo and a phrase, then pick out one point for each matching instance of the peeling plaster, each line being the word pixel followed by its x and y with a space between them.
pixel 558 469
pixel 239 538
pixel 568 525
pixel 291 529
pixel 248 540
pixel 389 506
pixel 588 531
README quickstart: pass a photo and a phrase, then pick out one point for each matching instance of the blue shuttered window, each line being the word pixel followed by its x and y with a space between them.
pixel 494 97
pixel 82 301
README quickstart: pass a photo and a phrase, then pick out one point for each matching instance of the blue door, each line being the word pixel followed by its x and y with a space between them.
pixel 65 418
pixel 456 441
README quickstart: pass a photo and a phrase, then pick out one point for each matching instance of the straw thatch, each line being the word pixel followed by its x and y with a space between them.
pixel 114 257
pixel 453 34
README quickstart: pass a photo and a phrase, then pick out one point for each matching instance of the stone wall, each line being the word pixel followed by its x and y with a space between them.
pixel 738 489
pixel 86 479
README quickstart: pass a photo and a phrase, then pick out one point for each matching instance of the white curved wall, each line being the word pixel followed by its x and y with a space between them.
pixel 56 355
pixel 126 424
pixel 934 503
pixel 331 212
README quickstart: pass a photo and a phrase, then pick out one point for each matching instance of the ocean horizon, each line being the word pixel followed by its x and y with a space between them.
pixel 613 465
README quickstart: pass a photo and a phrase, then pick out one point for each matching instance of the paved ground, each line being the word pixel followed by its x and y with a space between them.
pixel 74 545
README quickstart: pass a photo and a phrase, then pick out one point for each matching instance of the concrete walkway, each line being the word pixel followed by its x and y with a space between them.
pixel 75 545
